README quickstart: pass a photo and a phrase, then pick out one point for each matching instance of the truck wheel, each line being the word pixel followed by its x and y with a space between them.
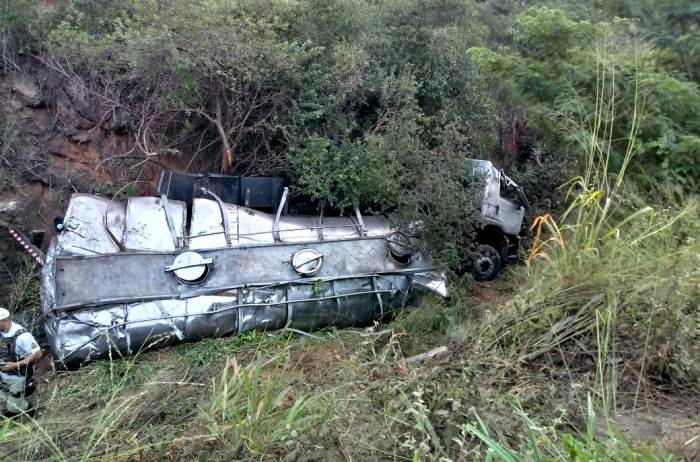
pixel 486 262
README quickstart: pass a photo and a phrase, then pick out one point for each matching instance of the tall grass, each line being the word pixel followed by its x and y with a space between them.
pixel 609 296
pixel 148 408
pixel 547 443
pixel 79 422
pixel 252 409
pixel 23 292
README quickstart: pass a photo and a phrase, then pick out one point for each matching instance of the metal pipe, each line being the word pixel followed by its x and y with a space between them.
pixel 360 223
pixel 169 221
pixel 278 215
pixel 224 215
pixel 250 246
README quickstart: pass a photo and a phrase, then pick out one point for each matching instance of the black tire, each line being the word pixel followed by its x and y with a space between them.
pixel 485 263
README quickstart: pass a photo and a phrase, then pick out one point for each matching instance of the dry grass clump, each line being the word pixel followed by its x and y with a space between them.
pixel 630 303
pixel 612 285
pixel 168 405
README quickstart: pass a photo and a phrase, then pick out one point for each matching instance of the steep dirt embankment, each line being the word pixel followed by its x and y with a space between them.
pixel 56 138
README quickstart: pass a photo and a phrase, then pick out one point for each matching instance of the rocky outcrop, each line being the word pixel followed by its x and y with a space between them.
pixel 27 90
pixel 56 138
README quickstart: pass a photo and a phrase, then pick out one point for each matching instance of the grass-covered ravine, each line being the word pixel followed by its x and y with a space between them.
pixel 586 349
pixel 589 352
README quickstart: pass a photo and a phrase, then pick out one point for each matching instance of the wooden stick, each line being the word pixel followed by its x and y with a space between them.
pixel 439 351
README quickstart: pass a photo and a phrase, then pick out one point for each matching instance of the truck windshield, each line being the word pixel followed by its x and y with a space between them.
pixel 479 168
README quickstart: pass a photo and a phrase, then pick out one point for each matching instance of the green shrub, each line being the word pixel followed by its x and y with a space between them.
pixel 555 66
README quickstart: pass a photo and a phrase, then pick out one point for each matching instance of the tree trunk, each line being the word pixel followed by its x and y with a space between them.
pixel 226 154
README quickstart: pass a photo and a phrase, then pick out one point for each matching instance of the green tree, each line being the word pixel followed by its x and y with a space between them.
pixel 555 67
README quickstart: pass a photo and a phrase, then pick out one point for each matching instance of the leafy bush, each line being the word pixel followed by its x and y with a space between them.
pixel 370 101
pixel 555 66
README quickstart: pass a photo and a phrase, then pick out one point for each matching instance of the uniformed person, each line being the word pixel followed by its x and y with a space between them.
pixel 16 365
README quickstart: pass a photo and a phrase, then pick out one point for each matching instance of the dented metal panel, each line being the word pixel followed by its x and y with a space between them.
pixel 154 224
pixel 110 281
pixel 142 276
pixel 92 225
pixel 206 226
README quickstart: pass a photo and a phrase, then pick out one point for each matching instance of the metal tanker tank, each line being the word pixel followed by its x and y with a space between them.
pixel 152 271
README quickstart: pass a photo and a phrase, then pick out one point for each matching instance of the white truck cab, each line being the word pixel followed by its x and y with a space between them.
pixel 497 238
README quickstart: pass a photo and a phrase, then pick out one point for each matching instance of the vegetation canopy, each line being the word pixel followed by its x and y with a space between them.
pixel 592 106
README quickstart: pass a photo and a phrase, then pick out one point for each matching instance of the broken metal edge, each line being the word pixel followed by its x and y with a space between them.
pixel 85 332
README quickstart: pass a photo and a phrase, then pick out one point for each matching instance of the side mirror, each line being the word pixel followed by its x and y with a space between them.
pixel 522 198
pixel 507 182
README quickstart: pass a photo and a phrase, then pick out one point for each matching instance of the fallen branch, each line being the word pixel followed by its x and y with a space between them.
pixel 439 351
pixel 371 334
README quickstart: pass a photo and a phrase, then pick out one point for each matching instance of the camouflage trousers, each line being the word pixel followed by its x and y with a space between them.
pixel 12 397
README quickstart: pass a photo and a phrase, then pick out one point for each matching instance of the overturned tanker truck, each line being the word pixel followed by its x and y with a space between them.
pixel 151 271
pixel 201 259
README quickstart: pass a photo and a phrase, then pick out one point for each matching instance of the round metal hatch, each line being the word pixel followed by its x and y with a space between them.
pixel 400 248
pixel 307 262
pixel 190 267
